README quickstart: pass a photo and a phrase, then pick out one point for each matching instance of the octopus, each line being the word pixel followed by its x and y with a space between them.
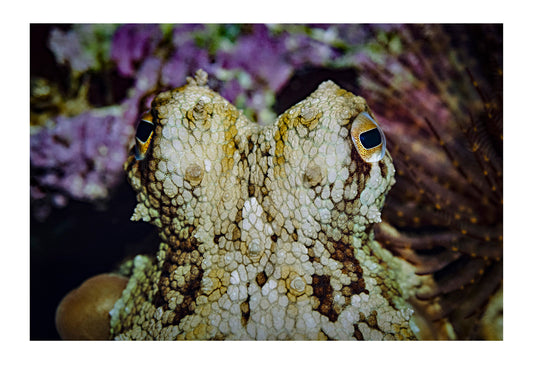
pixel 266 230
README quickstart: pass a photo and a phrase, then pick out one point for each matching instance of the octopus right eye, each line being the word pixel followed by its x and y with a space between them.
pixel 368 138
pixel 143 136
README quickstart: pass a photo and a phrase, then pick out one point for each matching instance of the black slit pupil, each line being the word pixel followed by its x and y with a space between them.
pixel 144 130
pixel 370 138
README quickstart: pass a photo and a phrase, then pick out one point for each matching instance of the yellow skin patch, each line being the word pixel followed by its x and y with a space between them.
pixel 266 231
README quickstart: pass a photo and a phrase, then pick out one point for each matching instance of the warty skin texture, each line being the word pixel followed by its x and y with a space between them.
pixel 266 230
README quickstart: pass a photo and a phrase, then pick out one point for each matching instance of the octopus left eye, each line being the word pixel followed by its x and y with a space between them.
pixel 143 136
pixel 368 138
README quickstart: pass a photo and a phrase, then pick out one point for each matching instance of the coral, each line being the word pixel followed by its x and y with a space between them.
pixel 83 47
pixel 260 55
pixel 440 100
pixel 262 59
pixel 80 157
pixel 66 47
pixel 83 314
pixel 185 59
pixel 132 43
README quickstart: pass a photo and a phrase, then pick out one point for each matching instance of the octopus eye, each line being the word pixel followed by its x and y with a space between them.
pixel 143 136
pixel 368 138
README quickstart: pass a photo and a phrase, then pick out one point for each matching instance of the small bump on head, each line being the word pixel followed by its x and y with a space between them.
pixel 194 174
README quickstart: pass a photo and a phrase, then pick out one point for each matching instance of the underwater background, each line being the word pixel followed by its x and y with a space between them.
pixel 437 91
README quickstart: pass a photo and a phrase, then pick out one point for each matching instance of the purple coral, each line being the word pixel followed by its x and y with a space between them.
pixel 185 33
pixel 67 48
pixel 81 157
pixel 303 50
pixel 231 90
pixel 184 62
pixel 132 43
pixel 259 54
pixel 147 76
pixel 261 61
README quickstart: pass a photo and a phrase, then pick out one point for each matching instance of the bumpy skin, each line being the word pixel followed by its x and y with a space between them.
pixel 266 230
